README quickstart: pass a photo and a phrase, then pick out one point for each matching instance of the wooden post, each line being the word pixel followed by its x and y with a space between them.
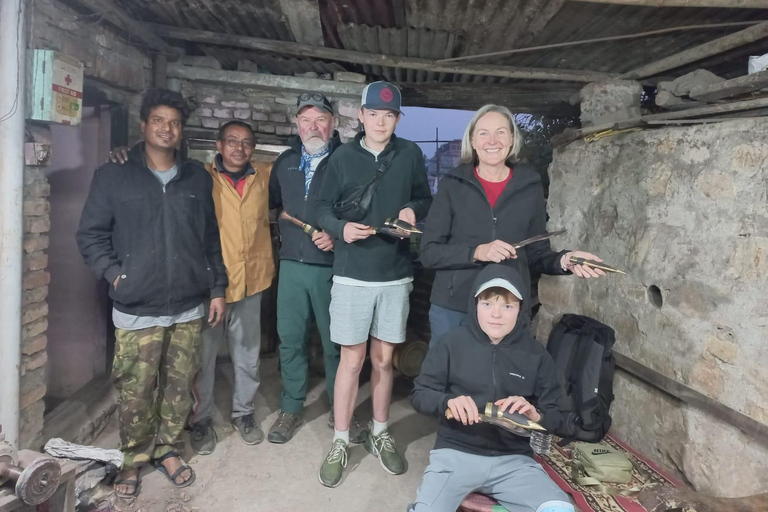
pixel 721 45
pixel 321 52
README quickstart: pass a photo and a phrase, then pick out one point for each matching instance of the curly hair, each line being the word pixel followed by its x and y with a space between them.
pixel 163 98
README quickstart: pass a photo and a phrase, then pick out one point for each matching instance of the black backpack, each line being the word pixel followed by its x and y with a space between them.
pixel 582 349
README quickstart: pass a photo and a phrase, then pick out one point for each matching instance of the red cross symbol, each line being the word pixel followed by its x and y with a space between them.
pixel 68 79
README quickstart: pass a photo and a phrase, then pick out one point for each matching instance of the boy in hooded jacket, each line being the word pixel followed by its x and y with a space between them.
pixel 491 359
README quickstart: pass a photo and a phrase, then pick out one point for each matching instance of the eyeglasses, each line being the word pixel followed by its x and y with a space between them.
pixel 245 143
pixel 305 96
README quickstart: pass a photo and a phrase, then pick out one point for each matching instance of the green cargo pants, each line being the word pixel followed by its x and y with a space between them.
pixel 303 291
pixel 153 372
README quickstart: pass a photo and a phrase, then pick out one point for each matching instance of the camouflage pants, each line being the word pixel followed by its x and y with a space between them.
pixel 153 372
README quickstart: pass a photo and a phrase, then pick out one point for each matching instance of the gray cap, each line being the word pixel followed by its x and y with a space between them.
pixel 313 99
pixel 498 282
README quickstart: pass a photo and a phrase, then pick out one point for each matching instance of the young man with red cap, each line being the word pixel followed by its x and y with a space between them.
pixel 372 274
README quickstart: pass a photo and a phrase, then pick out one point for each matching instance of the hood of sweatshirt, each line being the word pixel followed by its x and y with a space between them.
pixel 512 277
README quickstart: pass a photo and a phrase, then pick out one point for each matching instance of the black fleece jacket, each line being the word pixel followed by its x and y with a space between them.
pixel 286 191
pixel 165 246
pixel 379 257
pixel 461 218
pixel 465 362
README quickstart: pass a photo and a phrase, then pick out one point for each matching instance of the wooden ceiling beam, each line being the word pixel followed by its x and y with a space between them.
pixel 121 19
pixel 472 96
pixel 355 57
pixel 263 80
pixel 709 49
pixel 737 4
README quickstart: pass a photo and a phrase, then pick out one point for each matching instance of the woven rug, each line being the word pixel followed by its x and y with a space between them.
pixel 590 500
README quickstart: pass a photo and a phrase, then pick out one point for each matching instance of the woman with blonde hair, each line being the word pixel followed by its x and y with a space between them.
pixel 483 207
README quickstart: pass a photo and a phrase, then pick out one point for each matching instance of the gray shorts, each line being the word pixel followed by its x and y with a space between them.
pixel 517 482
pixel 359 311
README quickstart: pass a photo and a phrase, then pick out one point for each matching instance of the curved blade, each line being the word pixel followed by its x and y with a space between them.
pixel 538 238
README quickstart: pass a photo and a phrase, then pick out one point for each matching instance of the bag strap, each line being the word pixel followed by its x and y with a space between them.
pixel 385 162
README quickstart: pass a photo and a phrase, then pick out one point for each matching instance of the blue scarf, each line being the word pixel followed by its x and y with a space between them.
pixel 306 166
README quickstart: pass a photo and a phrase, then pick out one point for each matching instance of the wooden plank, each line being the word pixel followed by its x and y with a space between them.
pixel 521 99
pixel 709 110
pixel 121 19
pixel 735 4
pixel 730 88
pixel 715 47
pixel 570 135
pixel 689 395
pixel 278 82
pixel 355 57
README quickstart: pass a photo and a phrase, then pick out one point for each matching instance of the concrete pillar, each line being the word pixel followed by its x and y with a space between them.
pixel 12 95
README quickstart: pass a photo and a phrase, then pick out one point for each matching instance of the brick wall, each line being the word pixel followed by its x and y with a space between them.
pixel 37 224
pixel 271 113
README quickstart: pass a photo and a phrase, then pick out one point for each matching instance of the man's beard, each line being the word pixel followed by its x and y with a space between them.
pixel 315 145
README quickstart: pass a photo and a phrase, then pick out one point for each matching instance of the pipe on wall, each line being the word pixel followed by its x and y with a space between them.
pixel 12 113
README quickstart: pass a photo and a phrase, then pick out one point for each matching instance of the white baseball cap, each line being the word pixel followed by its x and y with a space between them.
pixel 498 282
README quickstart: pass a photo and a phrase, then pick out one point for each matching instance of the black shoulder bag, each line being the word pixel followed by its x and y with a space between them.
pixel 356 204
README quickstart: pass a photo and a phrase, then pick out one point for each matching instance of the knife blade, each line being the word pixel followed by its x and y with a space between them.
pixel 538 238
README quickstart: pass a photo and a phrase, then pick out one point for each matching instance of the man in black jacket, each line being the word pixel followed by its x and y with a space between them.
pixel 491 359
pixel 149 228
pixel 372 273
pixel 304 285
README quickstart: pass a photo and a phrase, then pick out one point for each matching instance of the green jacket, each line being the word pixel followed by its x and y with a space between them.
pixel 379 257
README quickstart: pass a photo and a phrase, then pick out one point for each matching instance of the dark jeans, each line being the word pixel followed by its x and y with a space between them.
pixel 442 320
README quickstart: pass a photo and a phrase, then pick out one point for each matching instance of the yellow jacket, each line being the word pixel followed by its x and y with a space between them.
pixel 246 243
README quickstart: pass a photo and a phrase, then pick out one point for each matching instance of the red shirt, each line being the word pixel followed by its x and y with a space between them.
pixel 493 189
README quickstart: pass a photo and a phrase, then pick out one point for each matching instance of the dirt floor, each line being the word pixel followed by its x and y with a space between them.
pixel 272 478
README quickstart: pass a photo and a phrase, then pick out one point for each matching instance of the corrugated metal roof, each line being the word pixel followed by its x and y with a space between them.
pixel 271 63
pixel 436 29
pixel 261 18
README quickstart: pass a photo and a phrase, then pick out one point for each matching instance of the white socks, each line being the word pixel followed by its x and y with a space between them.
pixel 341 434
pixel 378 428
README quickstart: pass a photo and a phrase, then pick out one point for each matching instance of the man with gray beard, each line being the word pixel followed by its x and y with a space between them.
pixel 306 260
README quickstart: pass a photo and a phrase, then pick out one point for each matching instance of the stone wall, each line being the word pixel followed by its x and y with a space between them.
pixel 270 112
pixel 107 57
pixel 34 320
pixel 685 212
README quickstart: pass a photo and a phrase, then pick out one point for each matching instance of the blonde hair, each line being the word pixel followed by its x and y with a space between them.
pixel 468 153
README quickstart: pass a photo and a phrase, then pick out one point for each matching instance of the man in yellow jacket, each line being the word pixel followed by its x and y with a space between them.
pixel 240 195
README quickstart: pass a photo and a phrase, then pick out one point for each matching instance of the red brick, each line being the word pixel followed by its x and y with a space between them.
pixel 36 279
pixel 34 295
pixel 33 330
pixel 34 345
pixel 32 396
pixel 37 189
pixel 34 312
pixel 37 224
pixel 35 261
pixel 34 243
pixel 35 361
pixel 37 207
